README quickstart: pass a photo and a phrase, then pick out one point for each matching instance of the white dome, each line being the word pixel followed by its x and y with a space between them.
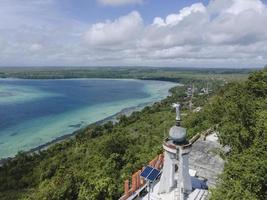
pixel 177 133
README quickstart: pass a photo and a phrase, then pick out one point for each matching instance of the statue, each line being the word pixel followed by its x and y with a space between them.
pixel 177 107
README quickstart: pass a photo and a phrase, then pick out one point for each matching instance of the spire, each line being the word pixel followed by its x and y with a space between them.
pixel 207 89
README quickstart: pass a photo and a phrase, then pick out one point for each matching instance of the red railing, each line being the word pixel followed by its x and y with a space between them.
pixel 137 181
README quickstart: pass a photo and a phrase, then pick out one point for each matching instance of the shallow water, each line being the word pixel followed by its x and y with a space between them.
pixel 34 112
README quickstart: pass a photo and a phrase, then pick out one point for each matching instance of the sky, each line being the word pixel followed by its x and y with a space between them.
pixel 159 33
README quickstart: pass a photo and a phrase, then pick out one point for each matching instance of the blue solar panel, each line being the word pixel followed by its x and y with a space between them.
pixel 150 173
pixel 153 175
pixel 146 172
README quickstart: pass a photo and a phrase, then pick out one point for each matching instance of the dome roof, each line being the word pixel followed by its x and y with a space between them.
pixel 177 133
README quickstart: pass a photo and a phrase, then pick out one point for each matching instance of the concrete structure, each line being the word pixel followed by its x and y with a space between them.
pixel 176 150
pixel 188 168
pixel 175 179
pixel 204 158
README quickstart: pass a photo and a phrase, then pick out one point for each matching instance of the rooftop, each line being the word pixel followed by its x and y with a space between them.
pixel 204 167
pixel 205 161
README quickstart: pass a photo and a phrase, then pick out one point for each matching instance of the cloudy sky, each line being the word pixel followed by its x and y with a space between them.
pixel 167 33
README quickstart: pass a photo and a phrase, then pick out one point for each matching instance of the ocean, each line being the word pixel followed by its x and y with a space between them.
pixel 34 112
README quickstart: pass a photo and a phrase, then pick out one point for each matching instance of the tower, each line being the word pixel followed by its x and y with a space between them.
pixel 176 151
pixel 207 89
pixel 191 97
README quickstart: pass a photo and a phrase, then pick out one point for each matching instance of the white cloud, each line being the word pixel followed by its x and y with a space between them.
pixel 241 23
pixel 119 2
pixel 239 6
pixel 174 19
pixel 218 34
pixel 177 29
pixel 225 33
pixel 118 32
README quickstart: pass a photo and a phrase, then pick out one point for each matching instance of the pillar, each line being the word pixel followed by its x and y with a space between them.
pixel 167 178
pixel 134 186
pixel 184 176
pixel 126 188
pixel 138 179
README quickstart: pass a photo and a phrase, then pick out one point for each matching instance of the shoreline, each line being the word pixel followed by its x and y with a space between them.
pixel 113 118
pixel 105 78
pixel 82 78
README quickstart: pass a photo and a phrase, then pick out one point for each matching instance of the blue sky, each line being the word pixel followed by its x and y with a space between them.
pixel 92 11
pixel 164 33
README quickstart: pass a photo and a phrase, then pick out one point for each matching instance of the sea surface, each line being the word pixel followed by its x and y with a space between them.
pixel 34 112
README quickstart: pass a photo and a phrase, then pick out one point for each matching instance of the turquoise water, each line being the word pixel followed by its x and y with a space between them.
pixel 34 112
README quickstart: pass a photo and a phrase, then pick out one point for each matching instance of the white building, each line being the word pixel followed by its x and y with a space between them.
pixel 176 179
pixel 188 169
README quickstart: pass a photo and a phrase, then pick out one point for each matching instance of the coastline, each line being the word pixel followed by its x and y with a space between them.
pixel 113 118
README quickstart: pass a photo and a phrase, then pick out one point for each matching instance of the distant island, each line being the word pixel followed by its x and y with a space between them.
pixel 154 73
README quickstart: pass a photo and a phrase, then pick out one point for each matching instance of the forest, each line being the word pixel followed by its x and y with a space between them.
pixel 94 164
pixel 240 109
pixel 155 73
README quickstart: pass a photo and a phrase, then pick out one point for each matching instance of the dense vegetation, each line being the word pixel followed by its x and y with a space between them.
pixel 170 74
pixel 240 109
pixel 94 164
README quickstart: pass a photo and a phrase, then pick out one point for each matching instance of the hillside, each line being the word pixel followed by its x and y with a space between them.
pixel 94 164
pixel 241 112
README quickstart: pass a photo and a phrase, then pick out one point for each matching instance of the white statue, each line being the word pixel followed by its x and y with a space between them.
pixel 177 107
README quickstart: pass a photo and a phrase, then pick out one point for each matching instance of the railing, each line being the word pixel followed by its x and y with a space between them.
pixel 137 182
